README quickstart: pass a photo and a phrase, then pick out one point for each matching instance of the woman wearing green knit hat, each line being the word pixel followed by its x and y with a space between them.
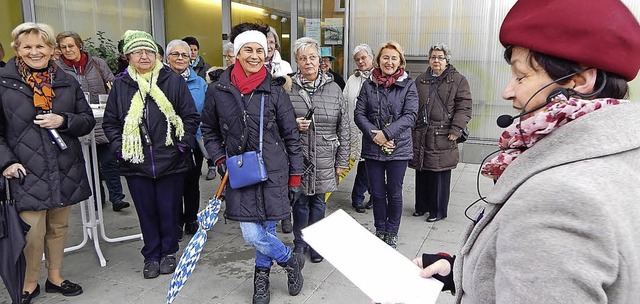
pixel 151 123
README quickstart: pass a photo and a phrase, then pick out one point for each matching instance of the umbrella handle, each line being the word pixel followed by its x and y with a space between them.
pixel 222 184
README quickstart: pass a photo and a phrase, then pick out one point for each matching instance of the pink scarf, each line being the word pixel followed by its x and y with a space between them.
pixel 522 135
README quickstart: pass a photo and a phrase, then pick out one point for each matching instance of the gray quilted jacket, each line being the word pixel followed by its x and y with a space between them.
pixel 326 142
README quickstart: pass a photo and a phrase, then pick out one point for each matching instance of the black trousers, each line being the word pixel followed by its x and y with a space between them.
pixel 432 192
pixel 155 200
pixel 191 197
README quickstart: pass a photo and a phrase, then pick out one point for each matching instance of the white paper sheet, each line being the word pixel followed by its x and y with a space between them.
pixel 381 272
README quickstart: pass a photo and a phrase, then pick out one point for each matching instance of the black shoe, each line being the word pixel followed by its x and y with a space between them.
pixel 392 240
pixel 287 227
pixel 151 269
pixel 191 228
pixel 168 264
pixel 315 256
pixel 261 294
pixel 358 206
pixel 67 288
pixel 119 205
pixel 418 213
pixel 294 273
pixel 368 205
pixel 435 219
pixel 27 297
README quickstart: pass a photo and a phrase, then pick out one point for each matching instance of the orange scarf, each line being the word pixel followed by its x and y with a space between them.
pixel 40 82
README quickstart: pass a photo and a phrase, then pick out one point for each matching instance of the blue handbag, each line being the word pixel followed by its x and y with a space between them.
pixel 248 168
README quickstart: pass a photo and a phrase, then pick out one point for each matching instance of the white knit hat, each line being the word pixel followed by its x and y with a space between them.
pixel 248 37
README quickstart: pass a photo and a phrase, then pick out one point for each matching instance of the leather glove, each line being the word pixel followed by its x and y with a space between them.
pixel 295 188
pixel 221 166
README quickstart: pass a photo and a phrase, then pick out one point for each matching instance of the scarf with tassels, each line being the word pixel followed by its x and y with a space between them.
pixel 132 149
pixel 521 136
pixel 386 80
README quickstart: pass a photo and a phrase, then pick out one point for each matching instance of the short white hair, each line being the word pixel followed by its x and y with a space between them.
pixel 363 47
pixel 172 44
pixel 304 43
pixel 227 47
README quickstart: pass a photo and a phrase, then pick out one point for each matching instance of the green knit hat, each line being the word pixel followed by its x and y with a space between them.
pixel 138 40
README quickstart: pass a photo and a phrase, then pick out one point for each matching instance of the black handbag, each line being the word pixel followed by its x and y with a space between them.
pixel 248 168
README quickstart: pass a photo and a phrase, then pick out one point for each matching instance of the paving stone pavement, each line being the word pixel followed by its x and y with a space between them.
pixel 224 273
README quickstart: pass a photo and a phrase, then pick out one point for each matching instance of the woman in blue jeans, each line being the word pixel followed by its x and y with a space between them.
pixel 385 112
pixel 231 121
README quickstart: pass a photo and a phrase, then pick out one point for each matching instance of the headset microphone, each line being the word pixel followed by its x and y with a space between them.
pixel 506 120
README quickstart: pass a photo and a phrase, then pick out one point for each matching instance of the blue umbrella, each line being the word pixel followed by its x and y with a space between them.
pixel 206 218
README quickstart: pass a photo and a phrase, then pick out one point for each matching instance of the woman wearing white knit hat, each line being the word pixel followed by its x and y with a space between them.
pixel 231 126
pixel 151 123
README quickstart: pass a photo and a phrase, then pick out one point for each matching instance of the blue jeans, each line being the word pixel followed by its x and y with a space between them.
pixel 360 184
pixel 110 173
pixel 385 179
pixel 306 211
pixel 262 236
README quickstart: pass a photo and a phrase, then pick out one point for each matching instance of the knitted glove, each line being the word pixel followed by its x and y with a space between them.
pixel 294 188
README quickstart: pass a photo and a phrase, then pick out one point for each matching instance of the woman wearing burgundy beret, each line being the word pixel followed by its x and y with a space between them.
pixel 560 223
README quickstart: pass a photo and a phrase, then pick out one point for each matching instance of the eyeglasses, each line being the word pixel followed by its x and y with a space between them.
pixel 178 55
pixel 326 60
pixel 229 57
pixel 441 58
pixel 312 58
pixel 67 47
pixel 139 53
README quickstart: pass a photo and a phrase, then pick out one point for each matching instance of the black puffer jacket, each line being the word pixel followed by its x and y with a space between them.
pixel 159 159
pixel 54 178
pixel 223 128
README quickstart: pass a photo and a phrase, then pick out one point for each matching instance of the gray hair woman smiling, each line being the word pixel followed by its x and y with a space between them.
pixel 54 177
pixel 178 54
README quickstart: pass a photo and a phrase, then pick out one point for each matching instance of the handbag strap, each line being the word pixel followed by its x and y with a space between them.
pixel 261 120
pixel 246 130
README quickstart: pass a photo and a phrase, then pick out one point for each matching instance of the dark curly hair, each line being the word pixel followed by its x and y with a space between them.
pixel 247 26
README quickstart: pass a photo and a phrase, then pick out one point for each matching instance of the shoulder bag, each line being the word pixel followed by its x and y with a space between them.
pixel 465 132
pixel 248 168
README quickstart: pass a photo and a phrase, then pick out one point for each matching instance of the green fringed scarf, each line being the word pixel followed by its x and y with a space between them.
pixel 131 141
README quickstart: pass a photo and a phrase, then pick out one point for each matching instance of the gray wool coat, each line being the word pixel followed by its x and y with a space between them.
pixel 326 142
pixel 562 222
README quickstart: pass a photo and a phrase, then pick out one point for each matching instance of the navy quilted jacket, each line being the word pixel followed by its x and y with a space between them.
pixel 54 178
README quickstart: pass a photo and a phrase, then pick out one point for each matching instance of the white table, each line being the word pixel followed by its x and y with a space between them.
pixel 92 220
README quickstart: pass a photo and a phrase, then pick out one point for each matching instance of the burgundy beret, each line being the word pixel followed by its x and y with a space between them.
pixel 597 33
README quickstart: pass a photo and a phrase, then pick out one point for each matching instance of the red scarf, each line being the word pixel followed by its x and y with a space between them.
pixel 386 80
pixel 79 65
pixel 246 84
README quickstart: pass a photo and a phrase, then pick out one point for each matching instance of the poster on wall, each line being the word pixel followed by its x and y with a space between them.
pixel 312 28
pixel 333 31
